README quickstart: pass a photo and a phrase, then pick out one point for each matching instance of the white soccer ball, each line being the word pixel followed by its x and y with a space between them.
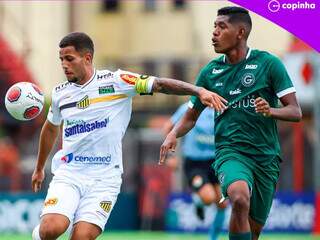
pixel 24 101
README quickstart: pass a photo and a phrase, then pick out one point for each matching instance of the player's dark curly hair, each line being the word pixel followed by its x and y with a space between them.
pixel 237 14
pixel 79 40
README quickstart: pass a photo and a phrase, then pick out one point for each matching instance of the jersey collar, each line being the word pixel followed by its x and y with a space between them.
pixel 247 56
pixel 88 82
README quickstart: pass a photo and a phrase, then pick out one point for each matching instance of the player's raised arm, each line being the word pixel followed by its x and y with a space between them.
pixel 182 127
pixel 172 86
pixel 48 136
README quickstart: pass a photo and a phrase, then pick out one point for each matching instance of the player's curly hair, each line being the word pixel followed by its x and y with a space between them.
pixel 79 40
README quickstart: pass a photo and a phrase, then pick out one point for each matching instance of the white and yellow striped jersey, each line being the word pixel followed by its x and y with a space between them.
pixel 95 117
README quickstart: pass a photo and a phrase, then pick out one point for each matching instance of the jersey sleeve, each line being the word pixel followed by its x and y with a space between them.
pixel 133 83
pixel 179 113
pixel 280 78
pixel 54 114
pixel 195 101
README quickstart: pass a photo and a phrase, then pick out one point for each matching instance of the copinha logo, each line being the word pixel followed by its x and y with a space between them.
pixel 275 5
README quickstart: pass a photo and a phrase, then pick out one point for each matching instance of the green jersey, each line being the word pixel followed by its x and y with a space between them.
pixel 240 128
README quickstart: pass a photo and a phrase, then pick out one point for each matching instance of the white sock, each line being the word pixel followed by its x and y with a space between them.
pixel 35 233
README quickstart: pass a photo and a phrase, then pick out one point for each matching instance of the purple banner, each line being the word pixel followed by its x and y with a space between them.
pixel 299 17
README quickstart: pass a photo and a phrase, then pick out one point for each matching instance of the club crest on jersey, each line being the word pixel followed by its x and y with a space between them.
pixel 106 205
pixel 83 103
pixel 248 79
pixel 129 78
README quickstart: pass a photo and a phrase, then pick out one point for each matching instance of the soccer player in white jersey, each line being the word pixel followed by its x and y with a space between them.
pixel 94 108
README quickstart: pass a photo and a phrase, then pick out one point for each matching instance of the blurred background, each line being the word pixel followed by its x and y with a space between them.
pixel 162 38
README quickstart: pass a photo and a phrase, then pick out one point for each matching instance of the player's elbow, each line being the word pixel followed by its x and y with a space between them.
pixel 297 114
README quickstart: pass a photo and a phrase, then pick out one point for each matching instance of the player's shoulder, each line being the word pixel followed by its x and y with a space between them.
pixel 104 74
pixel 264 55
pixel 215 63
pixel 128 78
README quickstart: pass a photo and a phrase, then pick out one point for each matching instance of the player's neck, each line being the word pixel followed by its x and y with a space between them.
pixel 237 54
pixel 87 76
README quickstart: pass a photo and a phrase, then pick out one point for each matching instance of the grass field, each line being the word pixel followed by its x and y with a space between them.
pixel 167 236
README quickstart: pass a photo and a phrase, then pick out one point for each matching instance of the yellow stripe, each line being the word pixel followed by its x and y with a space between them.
pixel 107 98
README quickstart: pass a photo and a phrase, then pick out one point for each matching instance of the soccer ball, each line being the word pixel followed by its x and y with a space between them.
pixel 24 101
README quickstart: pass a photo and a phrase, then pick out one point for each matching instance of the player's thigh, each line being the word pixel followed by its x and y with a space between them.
pixel 96 205
pixel 232 170
pixel 85 231
pixel 62 198
pixel 263 191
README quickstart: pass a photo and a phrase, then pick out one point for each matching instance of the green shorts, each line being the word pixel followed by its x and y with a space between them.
pixel 261 179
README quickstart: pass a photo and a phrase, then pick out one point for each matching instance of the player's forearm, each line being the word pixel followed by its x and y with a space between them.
pixel 288 113
pixel 48 138
pixel 172 86
pixel 182 127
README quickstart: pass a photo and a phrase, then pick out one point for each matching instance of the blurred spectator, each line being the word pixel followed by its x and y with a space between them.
pixel 9 165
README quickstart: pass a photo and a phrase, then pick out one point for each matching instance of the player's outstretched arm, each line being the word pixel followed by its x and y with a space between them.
pixel 48 136
pixel 176 87
pixel 290 111
pixel 182 127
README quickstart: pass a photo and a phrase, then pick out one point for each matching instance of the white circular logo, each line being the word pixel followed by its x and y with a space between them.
pixel 248 79
pixel 274 6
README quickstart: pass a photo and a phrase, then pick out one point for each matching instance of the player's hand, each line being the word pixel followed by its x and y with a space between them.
pixel 212 100
pixel 262 106
pixel 169 144
pixel 37 179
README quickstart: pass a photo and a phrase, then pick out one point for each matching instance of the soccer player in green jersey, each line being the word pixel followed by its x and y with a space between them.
pixel 247 143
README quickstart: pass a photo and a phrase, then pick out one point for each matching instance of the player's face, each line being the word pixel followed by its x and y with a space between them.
pixel 225 35
pixel 73 64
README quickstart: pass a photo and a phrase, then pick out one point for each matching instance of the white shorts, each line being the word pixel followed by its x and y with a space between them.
pixel 82 198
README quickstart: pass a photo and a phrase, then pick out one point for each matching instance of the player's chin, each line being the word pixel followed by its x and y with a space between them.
pixel 72 79
pixel 218 49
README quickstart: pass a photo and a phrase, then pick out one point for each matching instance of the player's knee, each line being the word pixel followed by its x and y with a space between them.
pixel 48 232
pixel 240 202
pixel 50 229
pixel 239 196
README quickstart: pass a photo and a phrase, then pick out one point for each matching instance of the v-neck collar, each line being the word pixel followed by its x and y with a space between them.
pixel 88 82
pixel 247 56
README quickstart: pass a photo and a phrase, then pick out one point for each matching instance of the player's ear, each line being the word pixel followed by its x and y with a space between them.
pixel 241 33
pixel 88 57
